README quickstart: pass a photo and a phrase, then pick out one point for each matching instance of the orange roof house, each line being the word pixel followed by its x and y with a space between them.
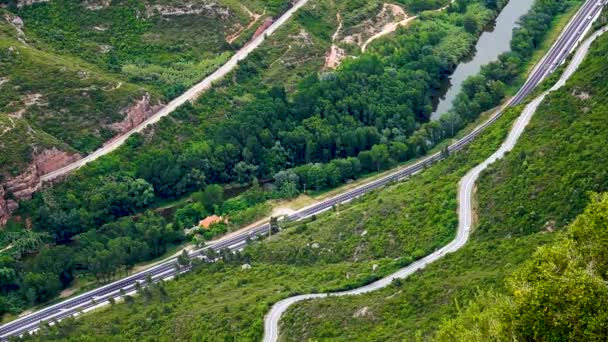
pixel 209 220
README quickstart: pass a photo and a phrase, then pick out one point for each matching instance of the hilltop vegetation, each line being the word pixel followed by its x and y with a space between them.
pixel 558 295
pixel 169 45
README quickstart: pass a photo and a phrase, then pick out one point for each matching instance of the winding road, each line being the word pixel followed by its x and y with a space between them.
pixel 74 306
pixel 465 210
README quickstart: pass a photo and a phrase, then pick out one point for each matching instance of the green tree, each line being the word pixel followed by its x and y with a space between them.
pixel 189 215
pixel 470 24
pixel 380 156
pixel 212 196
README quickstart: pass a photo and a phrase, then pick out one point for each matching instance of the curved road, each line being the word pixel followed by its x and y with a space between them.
pixel 189 95
pixel 167 269
pixel 465 212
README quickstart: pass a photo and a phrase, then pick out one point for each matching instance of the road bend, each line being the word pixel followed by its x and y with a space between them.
pixel 465 209
pixel 169 268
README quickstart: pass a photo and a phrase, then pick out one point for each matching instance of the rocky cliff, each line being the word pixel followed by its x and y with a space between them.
pixel 22 186
pixel 136 114
pixel 4 212
pixel 266 24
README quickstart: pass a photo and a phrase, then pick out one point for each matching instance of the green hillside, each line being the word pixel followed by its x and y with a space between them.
pixel 338 249
pixel 72 69
pixel 522 200
pixel 65 102
pixel 287 121
pixel 560 294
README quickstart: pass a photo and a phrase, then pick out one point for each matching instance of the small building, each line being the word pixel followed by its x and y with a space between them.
pixel 209 220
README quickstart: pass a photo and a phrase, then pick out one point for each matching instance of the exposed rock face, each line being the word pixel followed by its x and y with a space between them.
pixel 136 114
pixel 96 4
pixel 21 3
pixel 25 184
pixel 207 7
pixel 53 159
pixel 267 22
pixel 3 207
pixel 22 187
pixel 17 24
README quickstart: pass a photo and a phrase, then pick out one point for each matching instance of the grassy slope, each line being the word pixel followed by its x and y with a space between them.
pixel 83 88
pixel 75 99
pixel 560 294
pixel 224 301
pixel 541 184
pixel 167 51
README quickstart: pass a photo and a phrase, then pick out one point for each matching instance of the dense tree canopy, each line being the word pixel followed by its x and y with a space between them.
pixel 364 117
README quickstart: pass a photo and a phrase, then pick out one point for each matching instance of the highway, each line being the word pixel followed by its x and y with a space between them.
pixel 465 209
pixel 567 41
pixel 189 95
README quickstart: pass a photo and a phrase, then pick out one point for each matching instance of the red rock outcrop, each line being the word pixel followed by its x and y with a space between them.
pixel 136 114
pixel 22 187
pixel 266 24
pixel 4 212
pixel 53 159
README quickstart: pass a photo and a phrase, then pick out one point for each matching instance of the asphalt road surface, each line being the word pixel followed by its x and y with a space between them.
pixel 465 212
pixel 166 270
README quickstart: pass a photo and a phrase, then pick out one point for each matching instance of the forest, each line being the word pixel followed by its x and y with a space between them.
pixel 525 201
pixel 338 249
pixel 332 251
pixel 367 116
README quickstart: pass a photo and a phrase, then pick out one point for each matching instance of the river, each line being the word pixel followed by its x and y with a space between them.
pixel 490 45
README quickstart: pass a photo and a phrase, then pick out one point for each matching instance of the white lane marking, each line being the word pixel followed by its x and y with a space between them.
pixel 466 184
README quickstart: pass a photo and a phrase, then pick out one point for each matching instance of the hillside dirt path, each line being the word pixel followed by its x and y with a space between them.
pixel 390 28
pixel 336 54
pixel 254 19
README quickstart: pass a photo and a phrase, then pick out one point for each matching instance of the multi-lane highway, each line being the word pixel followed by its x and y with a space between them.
pixel 569 39
pixel 465 213
pixel 465 208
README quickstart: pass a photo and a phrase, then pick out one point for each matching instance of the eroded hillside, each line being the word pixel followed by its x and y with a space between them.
pixel 74 75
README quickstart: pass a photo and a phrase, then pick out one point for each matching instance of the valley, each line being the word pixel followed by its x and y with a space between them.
pixel 315 128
